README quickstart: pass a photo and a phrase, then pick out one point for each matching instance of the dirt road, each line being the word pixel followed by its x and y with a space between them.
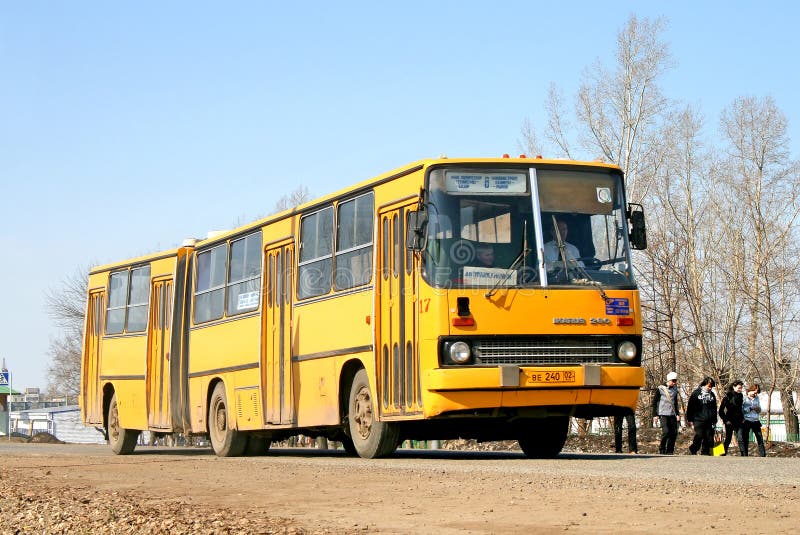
pixel 49 488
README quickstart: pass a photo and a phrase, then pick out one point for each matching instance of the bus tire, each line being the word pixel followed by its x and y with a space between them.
pixel 121 440
pixel 349 447
pixel 543 438
pixel 225 441
pixel 257 445
pixel 371 437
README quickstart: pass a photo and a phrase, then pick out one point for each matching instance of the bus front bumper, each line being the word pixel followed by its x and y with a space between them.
pixel 460 389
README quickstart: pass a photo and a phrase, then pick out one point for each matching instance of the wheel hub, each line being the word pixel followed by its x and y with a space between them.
pixel 363 413
pixel 220 423
pixel 113 423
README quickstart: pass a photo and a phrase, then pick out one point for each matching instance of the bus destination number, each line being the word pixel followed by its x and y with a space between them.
pixel 560 376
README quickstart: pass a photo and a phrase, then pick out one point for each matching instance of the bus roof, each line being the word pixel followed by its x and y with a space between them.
pixel 365 184
pixel 396 173
pixel 134 261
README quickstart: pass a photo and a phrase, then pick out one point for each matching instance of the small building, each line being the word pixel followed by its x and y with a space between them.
pixel 5 391
pixel 62 422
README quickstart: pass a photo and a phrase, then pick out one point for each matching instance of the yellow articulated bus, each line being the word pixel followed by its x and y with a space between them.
pixel 478 298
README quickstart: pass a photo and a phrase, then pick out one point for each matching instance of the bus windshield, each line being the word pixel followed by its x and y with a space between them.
pixel 489 227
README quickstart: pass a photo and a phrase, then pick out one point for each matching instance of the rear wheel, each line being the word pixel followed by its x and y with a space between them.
pixel 543 438
pixel 121 440
pixel 371 438
pixel 226 441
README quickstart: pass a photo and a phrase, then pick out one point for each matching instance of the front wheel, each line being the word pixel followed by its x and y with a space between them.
pixel 121 440
pixel 543 438
pixel 371 437
pixel 226 441
pixel 257 445
pixel 349 447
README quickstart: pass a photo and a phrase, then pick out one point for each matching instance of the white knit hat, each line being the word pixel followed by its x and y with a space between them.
pixel 672 376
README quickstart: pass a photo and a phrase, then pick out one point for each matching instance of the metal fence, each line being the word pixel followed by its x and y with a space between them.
pixel 776 431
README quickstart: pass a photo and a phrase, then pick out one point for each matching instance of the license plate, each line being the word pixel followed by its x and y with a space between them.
pixel 550 376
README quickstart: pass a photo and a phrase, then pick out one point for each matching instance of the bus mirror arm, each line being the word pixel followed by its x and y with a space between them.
pixel 638 235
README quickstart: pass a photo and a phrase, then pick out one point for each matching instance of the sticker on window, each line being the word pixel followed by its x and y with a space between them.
pixel 476 276
pixel 247 300
pixel 462 182
pixel 604 195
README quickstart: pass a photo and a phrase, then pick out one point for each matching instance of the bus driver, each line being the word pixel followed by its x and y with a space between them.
pixel 551 250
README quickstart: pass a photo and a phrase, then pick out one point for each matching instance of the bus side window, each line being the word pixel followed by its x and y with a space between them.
pixel 139 299
pixel 244 274
pixel 117 297
pixel 316 259
pixel 209 293
pixel 354 242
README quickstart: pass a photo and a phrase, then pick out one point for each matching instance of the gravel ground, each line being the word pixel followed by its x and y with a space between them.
pixel 29 506
pixel 53 488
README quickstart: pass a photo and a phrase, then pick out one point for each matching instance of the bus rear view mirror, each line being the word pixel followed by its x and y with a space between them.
pixel 415 237
pixel 638 235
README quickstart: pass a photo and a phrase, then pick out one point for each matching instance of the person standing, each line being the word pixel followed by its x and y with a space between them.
pixel 701 414
pixel 630 417
pixel 751 407
pixel 665 410
pixel 730 411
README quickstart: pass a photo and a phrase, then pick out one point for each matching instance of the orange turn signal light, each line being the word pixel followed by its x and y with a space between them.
pixel 624 322
pixel 463 322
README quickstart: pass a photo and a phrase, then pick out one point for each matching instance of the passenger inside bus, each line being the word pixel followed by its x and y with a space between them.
pixel 484 255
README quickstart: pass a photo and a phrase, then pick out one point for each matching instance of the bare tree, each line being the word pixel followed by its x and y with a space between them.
pixel 621 111
pixel 530 142
pixel 66 305
pixel 765 185
pixel 295 198
pixel 618 111
pixel 720 292
pixel 676 264
pixel 64 369
pixel 558 124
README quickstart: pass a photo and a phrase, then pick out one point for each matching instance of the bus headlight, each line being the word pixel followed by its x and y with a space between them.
pixel 460 352
pixel 626 351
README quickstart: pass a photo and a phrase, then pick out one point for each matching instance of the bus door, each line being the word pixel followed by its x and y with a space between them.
pixel 276 370
pixel 158 380
pixel 398 357
pixel 92 398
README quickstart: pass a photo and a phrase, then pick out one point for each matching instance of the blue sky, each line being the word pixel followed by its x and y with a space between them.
pixel 125 128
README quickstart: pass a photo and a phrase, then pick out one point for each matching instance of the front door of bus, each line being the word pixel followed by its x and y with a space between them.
pixel 92 401
pixel 398 358
pixel 158 378
pixel 277 360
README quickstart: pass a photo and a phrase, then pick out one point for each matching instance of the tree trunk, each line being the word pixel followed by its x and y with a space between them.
pixel 790 416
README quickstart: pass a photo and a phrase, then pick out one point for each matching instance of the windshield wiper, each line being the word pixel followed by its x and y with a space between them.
pixel 519 259
pixel 596 284
pixel 562 248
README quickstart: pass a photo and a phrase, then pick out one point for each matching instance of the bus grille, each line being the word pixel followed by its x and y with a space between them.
pixel 543 351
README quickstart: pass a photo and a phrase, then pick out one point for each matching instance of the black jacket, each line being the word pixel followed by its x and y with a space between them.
pixel 730 410
pixel 702 406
